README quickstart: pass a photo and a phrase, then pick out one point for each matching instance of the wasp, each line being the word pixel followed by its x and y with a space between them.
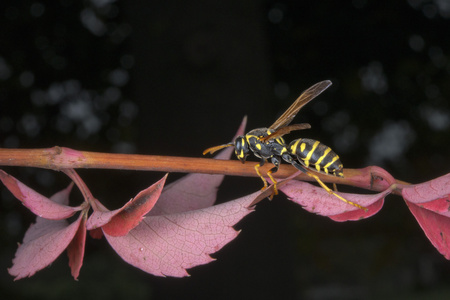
pixel 307 155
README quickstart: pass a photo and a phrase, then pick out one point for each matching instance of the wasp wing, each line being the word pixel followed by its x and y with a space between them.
pixel 285 130
pixel 303 99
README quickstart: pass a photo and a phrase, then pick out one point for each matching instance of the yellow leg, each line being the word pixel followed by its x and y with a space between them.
pixel 335 187
pixel 275 190
pixel 333 193
pixel 259 173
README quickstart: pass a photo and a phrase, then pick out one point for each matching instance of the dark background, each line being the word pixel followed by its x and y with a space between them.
pixel 176 77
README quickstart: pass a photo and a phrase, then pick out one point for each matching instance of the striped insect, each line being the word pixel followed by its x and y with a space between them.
pixel 307 155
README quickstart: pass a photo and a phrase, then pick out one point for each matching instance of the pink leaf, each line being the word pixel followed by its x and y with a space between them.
pixel 317 200
pixel 75 250
pixel 132 213
pixel 435 226
pixel 173 225
pixel 372 177
pixel 38 204
pixel 377 201
pixel 62 197
pixel 193 191
pixel 429 202
pixel 100 216
pixel 118 222
pixel 167 245
pixel 96 233
pixel 433 195
pixel 44 241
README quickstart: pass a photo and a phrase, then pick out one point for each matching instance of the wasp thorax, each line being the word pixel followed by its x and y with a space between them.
pixel 241 148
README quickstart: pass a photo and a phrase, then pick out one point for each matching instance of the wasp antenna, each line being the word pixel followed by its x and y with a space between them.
pixel 217 148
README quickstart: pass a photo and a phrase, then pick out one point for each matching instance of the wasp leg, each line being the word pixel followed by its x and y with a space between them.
pixel 335 187
pixel 276 162
pixel 261 163
pixel 323 185
pixel 334 184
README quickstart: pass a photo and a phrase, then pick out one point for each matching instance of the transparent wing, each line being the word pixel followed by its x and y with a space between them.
pixel 303 99
pixel 285 130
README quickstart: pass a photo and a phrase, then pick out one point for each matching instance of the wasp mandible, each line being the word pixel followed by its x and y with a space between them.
pixel 311 156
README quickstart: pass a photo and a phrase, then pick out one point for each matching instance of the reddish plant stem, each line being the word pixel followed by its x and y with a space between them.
pixel 58 158
pixel 87 195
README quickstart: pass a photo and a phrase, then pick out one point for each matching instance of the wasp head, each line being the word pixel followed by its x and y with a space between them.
pixel 241 148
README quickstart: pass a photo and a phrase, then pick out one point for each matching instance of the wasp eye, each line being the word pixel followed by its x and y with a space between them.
pixel 241 148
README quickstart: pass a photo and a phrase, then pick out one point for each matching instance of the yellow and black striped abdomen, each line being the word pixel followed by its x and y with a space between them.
pixel 316 155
